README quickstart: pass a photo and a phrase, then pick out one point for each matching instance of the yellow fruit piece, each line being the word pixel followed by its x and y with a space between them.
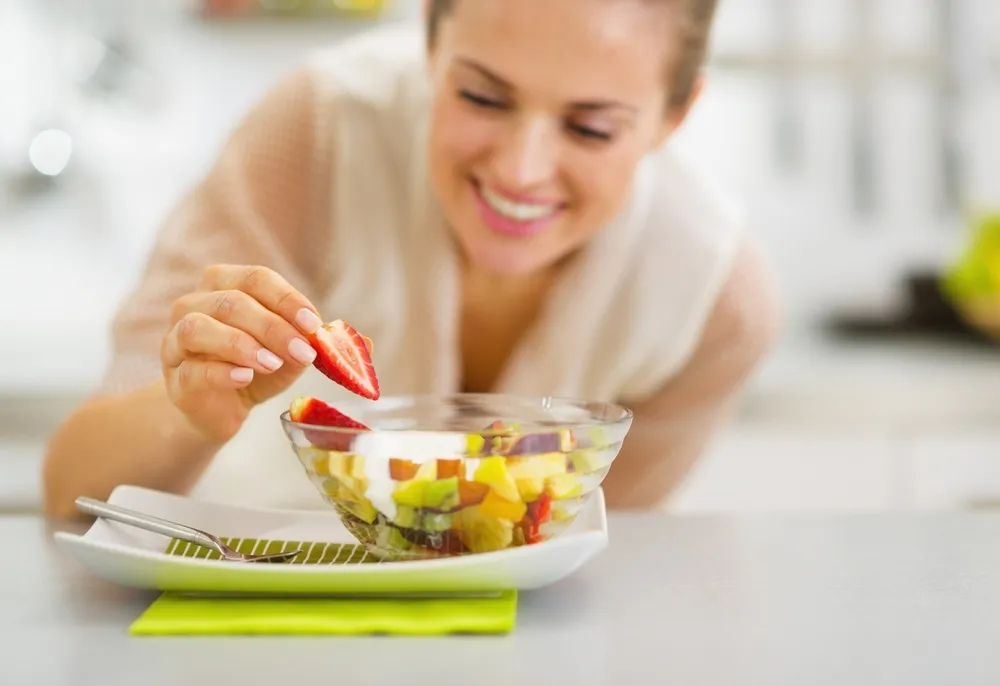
pixel 537 466
pixel 530 489
pixel 493 472
pixel 495 506
pixel 562 486
pixel 474 444
pixel 481 533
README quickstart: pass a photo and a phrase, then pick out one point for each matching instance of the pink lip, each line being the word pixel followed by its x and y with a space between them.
pixel 511 227
pixel 519 197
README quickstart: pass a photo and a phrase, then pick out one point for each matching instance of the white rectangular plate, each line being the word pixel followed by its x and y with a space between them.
pixel 134 557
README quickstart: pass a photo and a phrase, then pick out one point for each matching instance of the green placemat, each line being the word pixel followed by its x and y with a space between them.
pixel 178 614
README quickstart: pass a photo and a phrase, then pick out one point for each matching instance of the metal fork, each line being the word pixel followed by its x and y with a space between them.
pixel 165 527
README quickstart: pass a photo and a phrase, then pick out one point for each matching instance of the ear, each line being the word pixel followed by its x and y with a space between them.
pixel 677 114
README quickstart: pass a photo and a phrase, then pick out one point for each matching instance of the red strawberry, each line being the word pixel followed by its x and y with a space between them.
pixel 344 355
pixel 318 413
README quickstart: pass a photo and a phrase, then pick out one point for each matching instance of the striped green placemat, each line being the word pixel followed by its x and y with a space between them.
pixel 313 553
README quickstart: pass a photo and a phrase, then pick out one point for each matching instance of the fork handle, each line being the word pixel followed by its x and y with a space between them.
pixel 148 522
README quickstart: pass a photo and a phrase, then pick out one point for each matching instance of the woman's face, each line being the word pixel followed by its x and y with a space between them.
pixel 541 111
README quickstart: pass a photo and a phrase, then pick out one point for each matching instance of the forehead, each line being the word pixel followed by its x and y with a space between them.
pixel 569 49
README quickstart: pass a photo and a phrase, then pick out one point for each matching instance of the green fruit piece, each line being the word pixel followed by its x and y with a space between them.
pixel 395 540
pixel 436 522
pixel 481 533
pixel 442 494
pixel 362 509
pixel 586 461
pixel 410 492
pixel 562 486
pixel 406 517
pixel 493 472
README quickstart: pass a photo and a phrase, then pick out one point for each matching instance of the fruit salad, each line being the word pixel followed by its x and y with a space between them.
pixel 489 491
pixel 417 495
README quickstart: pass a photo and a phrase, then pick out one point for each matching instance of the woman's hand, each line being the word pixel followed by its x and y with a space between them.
pixel 235 342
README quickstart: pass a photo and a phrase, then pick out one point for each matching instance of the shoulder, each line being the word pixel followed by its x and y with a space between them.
pixel 379 68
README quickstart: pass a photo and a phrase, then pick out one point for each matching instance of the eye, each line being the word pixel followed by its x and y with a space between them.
pixel 480 100
pixel 587 132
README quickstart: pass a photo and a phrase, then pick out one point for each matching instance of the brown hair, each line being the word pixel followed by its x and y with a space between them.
pixel 695 27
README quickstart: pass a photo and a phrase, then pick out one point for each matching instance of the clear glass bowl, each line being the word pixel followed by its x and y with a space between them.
pixel 438 476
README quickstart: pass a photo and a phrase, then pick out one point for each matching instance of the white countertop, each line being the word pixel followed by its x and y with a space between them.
pixel 883 599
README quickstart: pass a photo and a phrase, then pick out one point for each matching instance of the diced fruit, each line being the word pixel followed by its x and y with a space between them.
pixel 494 505
pixel 561 440
pixel 395 540
pixel 538 513
pixel 427 471
pixel 436 522
pixel 530 489
pixel 586 461
pixel 481 533
pixel 343 356
pixel 562 486
pixel 314 411
pixel 448 468
pixel 537 466
pixel 474 444
pixel 493 472
pixel 471 492
pixel 362 509
pixel 401 470
pixel 412 491
pixel 442 494
pixel 541 510
pixel 406 517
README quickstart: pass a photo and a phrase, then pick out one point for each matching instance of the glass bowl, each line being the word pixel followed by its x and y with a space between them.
pixel 447 475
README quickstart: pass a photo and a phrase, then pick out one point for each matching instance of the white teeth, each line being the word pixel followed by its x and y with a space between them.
pixel 517 211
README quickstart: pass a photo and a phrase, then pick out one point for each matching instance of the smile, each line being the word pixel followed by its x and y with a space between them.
pixel 511 217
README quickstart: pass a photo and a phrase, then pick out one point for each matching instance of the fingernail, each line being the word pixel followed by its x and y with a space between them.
pixel 307 320
pixel 301 351
pixel 269 359
pixel 241 374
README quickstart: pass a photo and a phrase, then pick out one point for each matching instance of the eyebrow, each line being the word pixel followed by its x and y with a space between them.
pixel 589 105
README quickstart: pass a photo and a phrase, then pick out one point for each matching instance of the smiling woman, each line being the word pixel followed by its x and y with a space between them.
pixel 495 202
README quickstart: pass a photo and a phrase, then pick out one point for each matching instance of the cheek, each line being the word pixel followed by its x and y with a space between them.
pixel 459 139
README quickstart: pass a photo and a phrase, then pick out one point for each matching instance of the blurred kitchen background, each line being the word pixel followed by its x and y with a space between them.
pixel 863 137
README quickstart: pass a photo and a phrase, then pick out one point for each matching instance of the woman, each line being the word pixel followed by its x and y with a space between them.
pixel 494 203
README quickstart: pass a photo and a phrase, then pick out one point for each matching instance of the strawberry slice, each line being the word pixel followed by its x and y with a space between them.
pixel 344 356
pixel 318 413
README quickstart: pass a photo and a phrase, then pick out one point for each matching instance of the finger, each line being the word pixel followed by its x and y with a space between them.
pixel 241 311
pixel 197 376
pixel 268 288
pixel 199 335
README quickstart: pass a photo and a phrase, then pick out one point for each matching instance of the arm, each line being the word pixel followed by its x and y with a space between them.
pixel 258 205
pixel 671 430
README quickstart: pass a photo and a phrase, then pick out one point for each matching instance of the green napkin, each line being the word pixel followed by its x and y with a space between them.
pixel 184 614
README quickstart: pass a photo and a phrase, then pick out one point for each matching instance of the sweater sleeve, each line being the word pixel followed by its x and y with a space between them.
pixel 265 201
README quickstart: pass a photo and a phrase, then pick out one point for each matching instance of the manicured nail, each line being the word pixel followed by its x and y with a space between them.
pixel 241 375
pixel 307 320
pixel 269 359
pixel 301 351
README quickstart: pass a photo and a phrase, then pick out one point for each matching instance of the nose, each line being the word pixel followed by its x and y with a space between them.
pixel 528 157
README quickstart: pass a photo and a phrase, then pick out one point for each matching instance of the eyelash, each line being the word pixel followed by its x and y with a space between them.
pixel 486 103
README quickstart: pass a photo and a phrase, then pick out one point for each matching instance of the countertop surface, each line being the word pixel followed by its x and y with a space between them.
pixel 860 599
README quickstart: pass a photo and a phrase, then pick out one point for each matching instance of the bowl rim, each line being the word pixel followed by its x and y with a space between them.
pixel 624 420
